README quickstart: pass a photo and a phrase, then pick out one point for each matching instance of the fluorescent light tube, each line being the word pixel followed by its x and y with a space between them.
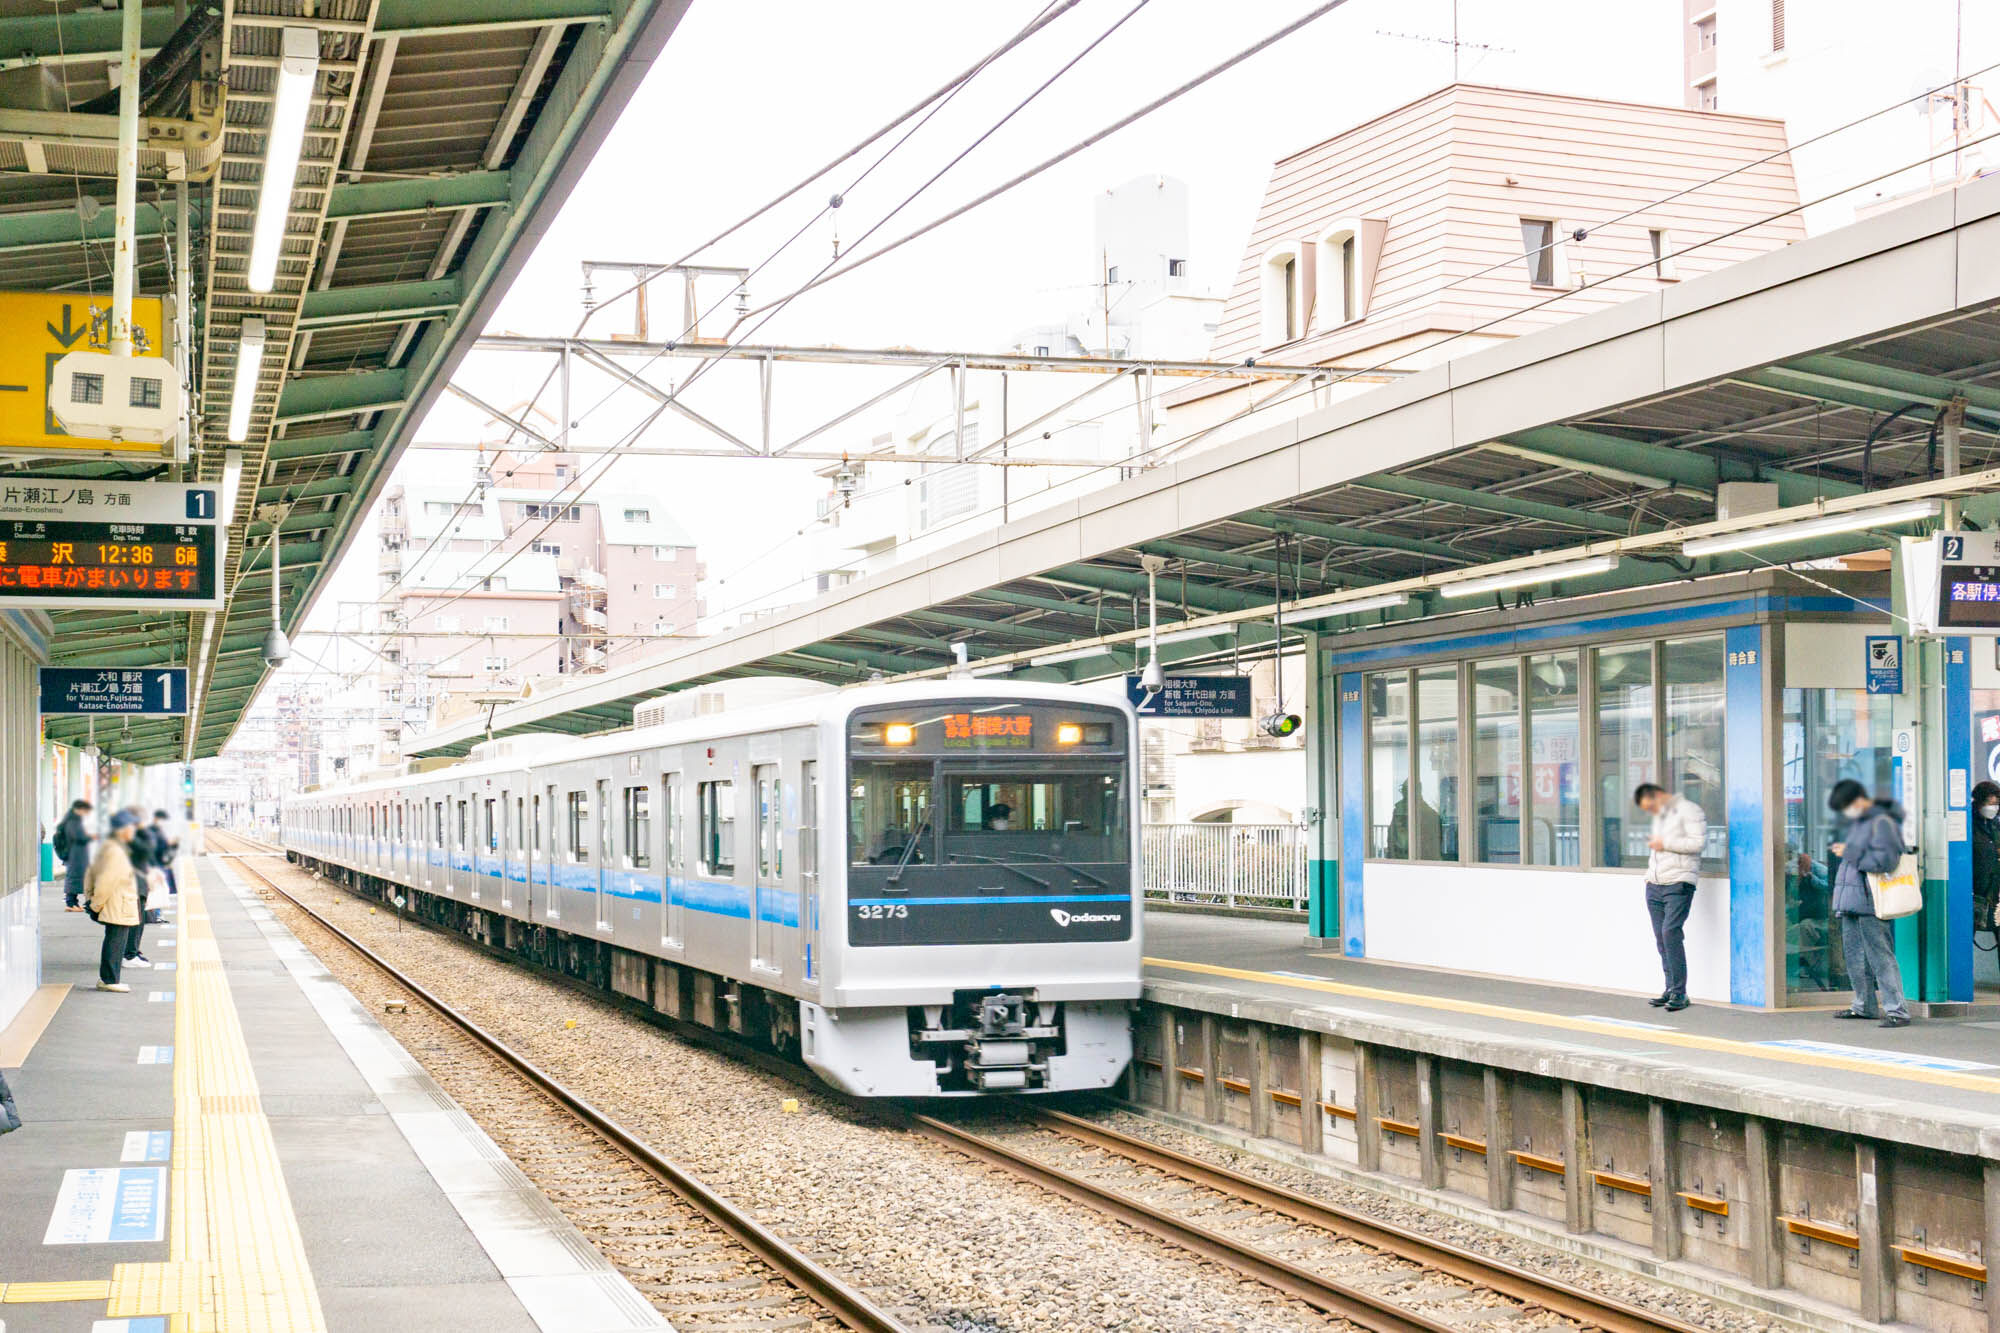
pixel 1523 578
pixel 1000 669
pixel 1187 635
pixel 232 468
pixel 1331 609
pixel 284 139
pixel 1072 655
pixel 1825 525
pixel 243 393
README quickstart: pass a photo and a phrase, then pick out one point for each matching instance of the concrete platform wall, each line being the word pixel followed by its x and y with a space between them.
pixel 22 651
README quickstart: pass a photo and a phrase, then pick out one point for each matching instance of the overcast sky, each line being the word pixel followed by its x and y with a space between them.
pixel 752 95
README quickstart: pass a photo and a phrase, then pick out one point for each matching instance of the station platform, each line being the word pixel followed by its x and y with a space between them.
pixel 1936 1082
pixel 236 1144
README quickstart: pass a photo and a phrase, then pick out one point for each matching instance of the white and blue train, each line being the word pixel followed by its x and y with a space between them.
pixel 920 889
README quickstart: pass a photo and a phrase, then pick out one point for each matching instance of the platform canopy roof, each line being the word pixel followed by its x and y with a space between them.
pixel 1822 368
pixel 443 136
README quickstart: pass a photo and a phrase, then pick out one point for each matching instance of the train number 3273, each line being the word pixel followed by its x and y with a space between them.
pixel 883 911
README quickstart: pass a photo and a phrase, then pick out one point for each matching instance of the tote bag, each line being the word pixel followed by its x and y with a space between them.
pixel 1900 892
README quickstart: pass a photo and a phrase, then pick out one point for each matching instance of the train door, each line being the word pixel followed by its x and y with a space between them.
pixel 809 869
pixel 607 861
pixel 552 862
pixel 439 852
pixel 674 869
pixel 515 869
pixel 461 852
pixel 769 906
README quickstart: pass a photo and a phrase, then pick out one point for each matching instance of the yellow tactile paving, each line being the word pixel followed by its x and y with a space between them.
pixel 1942 1078
pixel 169 1288
pixel 36 1293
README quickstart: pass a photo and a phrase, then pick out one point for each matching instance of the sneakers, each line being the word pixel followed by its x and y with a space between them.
pixel 1675 1004
pixel 1850 1013
pixel 118 986
pixel 1895 1021
pixel 138 960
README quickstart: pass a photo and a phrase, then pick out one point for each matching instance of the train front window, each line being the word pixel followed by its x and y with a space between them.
pixel 888 810
pixel 1028 816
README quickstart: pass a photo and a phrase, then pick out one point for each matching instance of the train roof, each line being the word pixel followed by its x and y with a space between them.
pixel 832 707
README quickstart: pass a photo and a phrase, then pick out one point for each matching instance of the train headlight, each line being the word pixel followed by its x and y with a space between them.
pixel 1069 733
pixel 898 733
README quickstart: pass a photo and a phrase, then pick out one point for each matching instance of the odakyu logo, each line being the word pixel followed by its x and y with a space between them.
pixel 1067 919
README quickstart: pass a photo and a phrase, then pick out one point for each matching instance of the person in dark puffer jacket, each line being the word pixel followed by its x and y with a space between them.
pixel 1872 845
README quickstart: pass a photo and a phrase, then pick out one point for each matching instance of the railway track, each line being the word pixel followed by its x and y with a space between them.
pixel 1358 1269
pixel 663 1227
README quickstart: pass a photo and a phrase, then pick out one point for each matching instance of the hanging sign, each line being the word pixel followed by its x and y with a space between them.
pixel 74 542
pixel 1192 696
pixel 128 691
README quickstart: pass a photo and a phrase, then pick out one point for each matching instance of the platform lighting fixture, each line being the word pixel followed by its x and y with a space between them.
pixel 1189 635
pixel 1071 655
pixel 232 481
pixel 1379 602
pixel 1524 578
pixel 998 669
pixel 250 339
pixel 284 140
pixel 1823 526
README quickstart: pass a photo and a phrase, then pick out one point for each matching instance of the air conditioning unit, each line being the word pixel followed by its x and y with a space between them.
pixel 98 396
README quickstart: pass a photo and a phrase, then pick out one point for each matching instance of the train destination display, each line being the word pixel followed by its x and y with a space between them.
pixel 110 544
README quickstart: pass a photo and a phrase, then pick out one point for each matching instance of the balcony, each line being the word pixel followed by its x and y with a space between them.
pixel 590 618
pixel 390 561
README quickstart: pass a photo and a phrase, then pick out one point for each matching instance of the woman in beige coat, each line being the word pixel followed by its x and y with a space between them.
pixel 111 887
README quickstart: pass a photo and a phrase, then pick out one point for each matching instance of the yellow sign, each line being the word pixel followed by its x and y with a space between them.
pixel 36 330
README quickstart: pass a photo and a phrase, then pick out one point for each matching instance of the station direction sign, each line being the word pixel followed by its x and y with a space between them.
pixel 37 329
pixel 110 544
pixel 1192 696
pixel 115 691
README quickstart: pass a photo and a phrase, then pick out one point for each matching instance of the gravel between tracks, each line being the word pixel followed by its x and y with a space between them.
pixel 924 1229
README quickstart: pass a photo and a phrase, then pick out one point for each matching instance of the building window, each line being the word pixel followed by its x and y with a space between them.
pixel 1339 297
pixel 545 548
pixel 1555 785
pixel 717 802
pixel 1111 275
pixel 638 516
pixel 1538 247
pixel 1663 254
pixel 663 628
pixel 439 508
pixel 1041 349
pixel 665 552
pixel 1177 268
pixel 562 472
pixel 496 624
pixel 639 827
pixel 665 592
pixel 1708 99
pixel 145 391
pixel 86 388
pixel 1691 673
pixel 1280 299
pixel 447 624
pixel 579 819
pixel 1704 34
pixel 1389 765
pixel 1496 761
pixel 496 664
pixel 1434 829
pixel 495 584
pixel 1777 25
pixel 1625 757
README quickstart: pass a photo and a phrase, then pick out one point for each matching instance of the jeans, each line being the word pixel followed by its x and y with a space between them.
pixel 1669 905
pixel 111 958
pixel 1871 965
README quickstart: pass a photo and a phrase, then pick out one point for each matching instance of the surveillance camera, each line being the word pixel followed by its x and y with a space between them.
pixel 1153 679
pixel 276 648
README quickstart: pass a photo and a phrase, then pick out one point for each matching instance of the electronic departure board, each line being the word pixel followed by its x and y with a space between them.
pixel 109 544
pixel 1969 597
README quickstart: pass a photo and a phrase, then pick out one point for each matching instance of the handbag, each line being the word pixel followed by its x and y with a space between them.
pixel 10 1116
pixel 1900 892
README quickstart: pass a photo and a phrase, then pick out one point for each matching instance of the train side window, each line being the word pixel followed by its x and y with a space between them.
pixel 717 801
pixel 401 813
pixel 538 826
pixel 464 826
pixel 437 824
pixel 579 816
pixel 520 824
pixel 492 830
pixel 639 827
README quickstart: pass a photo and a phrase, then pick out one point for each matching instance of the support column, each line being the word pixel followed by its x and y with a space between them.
pixel 1873 1219
pixel 1312 1123
pixel 1367 1134
pixel 1260 1081
pixel 1499 1142
pixel 1211 1071
pixel 1170 1061
pixel 1353 787
pixel 1430 1115
pixel 1576 1160
pixel 1760 1203
pixel 1322 800
pixel 1663 1170
pixel 1992 1249
pixel 1745 770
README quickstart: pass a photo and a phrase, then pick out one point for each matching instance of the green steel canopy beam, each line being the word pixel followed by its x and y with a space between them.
pixel 1132 582
pixel 872 660
pixel 310 490
pixel 407 18
pixel 1906 384
pixel 61 226
pixel 1609 455
pixel 299 520
pixel 1486 502
pixel 379 302
pixel 1353 536
pixel 1033 633
pixel 297 555
pixel 420 194
pixel 319 446
pixel 337 395
pixel 86 34
pixel 1114 611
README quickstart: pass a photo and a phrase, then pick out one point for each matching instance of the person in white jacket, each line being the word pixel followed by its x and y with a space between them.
pixel 1680 830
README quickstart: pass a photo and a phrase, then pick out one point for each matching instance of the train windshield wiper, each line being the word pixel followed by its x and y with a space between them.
pixel 996 861
pixel 910 850
pixel 1070 866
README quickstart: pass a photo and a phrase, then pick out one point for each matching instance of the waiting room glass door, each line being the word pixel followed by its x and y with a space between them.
pixel 1828 735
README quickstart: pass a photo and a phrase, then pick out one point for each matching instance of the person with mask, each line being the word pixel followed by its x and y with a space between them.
pixel 999 818
pixel 1985 854
pixel 1679 833
pixel 1871 845
pixel 143 849
pixel 167 849
pixel 112 888
pixel 72 844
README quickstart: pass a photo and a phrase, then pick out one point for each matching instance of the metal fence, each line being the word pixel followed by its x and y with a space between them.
pixel 1225 865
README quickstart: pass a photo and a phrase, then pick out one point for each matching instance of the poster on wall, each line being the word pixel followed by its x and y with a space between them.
pixel 1986 747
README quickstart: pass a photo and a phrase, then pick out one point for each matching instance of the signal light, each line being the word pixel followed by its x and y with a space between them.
pixel 1278 724
pixel 898 733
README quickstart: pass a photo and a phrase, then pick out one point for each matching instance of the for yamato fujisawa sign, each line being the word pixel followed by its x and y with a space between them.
pixel 111 544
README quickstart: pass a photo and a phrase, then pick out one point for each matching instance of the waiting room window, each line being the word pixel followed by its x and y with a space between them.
pixel 1389 765
pixel 1538 247
pixel 1555 754
pixel 1496 761
pixel 1691 671
pixel 1625 754
pixel 718 827
pixel 1434 832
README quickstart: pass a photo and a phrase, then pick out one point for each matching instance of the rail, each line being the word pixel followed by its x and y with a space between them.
pixel 830 1292
pixel 1225 865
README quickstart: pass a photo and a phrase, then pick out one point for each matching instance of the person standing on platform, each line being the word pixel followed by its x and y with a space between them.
pixel 1680 831
pixel 167 850
pixel 1985 855
pixel 144 850
pixel 72 844
pixel 112 889
pixel 1872 845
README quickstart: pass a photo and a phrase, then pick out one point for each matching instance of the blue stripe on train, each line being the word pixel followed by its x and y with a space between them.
pixel 995 898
